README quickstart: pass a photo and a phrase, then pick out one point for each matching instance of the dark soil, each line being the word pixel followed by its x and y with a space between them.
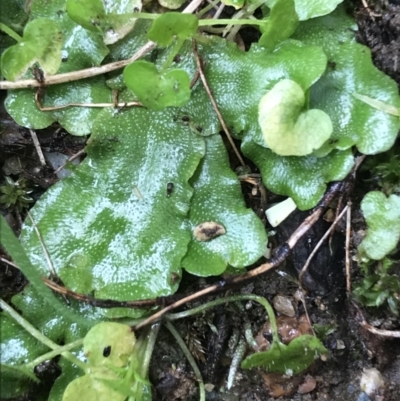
pixel 352 348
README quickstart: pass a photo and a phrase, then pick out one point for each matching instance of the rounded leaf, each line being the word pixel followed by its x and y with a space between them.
pixel 302 178
pixel 123 237
pixel 157 90
pixel 382 215
pixel 86 13
pixel 240 79
pixel 109 343
pixel 288 131
pixel 241 238
pixel 92 387
pixel 113 18
pixel 42 42
pixel 170 25
pixel 307 9
pixel 275 32
pixel 351 76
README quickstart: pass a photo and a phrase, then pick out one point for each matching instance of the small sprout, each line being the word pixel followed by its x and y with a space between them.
pixel 15 194
pixel 277 213
pixel 208 230
pixel 170 188
pixel 240 351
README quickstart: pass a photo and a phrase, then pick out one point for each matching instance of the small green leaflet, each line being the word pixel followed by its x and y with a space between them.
pixel 108 347
pixel 307 9
pixel 287 359
pixel 287 130
pixel 41 43
pixel 382 215
pixel 350 71
pixel 157 90
pixel 171 4
pixel 170 25
pixel 117 338
pixel 275 32
pixel 234 3
pixel 86 13
pixel 114 19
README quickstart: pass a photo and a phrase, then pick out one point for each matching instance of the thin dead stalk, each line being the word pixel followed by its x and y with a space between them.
pixel 72 158
pixel 80 74
pixel 308 261
pixel 368 8
pixel 101 303
pixel 214 103
pixel 44 248
pixel 36 143
pixel 90 72
pixel 348 260
pixel 319 244
pixel 360 318
pixel 9 263
pixel 120 105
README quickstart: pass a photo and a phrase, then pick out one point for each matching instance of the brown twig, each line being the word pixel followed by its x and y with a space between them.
pixel 94 71
pixel 9 263
pixel 214 104
pixel 319 244
pixel 93 105
pixel 44 248
pixel 102 303
pixel 368 8
pixel 380 332
pixel 281 253
pixel 70 159
pixel 351 180
pixel 308 261
pixel 195 78
pixel 348 260
pixel 36 143
pixel 115 104
pixel 249 180
pixel 80 74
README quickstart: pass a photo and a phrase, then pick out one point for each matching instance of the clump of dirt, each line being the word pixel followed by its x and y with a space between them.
pixel 379 29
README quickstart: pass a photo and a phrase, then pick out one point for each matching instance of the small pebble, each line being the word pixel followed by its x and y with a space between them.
pixel 56 160
pixel 284 305
pixel 351 389
pixel 371 381
pixel 12 166
pixel 308 385
pixel 363 397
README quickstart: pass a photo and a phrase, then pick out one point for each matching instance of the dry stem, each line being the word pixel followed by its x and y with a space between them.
pixel 214 103
pixel 90 72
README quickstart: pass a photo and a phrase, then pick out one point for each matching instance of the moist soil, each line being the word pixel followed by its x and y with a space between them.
pixel 212 336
